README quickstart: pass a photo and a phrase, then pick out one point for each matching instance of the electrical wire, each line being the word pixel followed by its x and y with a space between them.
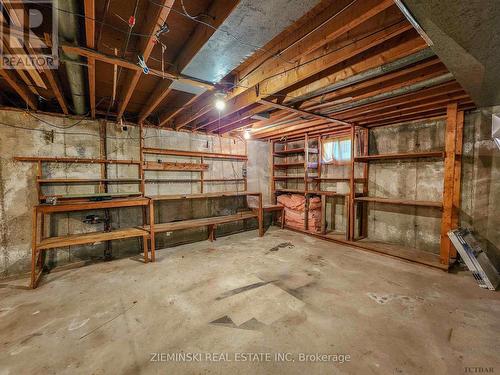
pixel 195 19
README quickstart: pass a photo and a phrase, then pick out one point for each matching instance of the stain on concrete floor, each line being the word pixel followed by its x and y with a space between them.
pixel 389 316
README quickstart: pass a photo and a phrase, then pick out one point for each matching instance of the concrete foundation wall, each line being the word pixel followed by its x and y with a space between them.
pixel 23 134
pixel 414 179
pixel 480 203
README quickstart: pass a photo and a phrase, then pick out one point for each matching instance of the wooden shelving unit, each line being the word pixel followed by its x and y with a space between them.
pixel 41 216
pixel 102 182
pixel 399 156
pixel 358 197
pixel 311 181
pixel 197 165
pixel 404 202
pixel 209 222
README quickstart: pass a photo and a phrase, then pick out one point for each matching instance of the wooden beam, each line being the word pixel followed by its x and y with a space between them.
pixel 341 24
pixel 449 171
pixel 219 10
pixel 278 80
pixel 114 60
pixel 56 89
pixel 20 89
pixel 301 112
pixel 89 7
pixel 151 25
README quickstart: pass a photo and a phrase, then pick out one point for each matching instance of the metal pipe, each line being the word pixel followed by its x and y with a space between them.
pixel 68 32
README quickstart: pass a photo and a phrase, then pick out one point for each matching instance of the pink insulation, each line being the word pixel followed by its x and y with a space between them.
pixel 294 211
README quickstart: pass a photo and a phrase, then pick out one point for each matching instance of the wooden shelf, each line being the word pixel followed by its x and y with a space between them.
pixel 194 223
pixel 179 167
pixel 202 196
pixel 87 180
pixel 407 202
pixel 295 151
pixel 164 180
pixel 398 251
pixel 86 238
pixel 81 206
pixel 338 179
pixel 317 192
pixel 210 155
pixel 406 155
pixel 295 164
pixel 92 195
pixel 73 160
pixel 292 177
pixel 291 191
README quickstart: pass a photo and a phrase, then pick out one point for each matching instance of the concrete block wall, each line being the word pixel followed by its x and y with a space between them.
pixel 23 134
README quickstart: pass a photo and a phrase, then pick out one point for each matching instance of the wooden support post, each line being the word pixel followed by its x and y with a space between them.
pixel 352 186
pixel 202 176
pixel 323 214
pixel 347 204
pixel 141 155
pixel 39 172
pixel 450 191
pixel 151 229
pixel 363 229
pixel 318 164
pixel 211 233
pixel 283 218
pixel 271 176
pixel 145 248
pixel 34 231
pixel 261 216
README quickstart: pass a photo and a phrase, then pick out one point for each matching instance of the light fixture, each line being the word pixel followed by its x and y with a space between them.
pixel 247 134
pixel 219 103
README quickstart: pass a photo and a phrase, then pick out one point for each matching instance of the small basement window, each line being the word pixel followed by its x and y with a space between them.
pixel 336 150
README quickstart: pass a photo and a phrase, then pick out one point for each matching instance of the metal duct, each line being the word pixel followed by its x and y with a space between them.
pixel 68 33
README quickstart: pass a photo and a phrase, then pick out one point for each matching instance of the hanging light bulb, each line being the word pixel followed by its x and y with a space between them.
pixel 219 103
pixel 247 134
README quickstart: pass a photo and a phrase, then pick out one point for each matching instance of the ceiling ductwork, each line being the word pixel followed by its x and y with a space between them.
pixel 68 33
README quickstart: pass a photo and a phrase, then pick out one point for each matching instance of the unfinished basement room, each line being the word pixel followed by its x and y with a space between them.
pixel 249 187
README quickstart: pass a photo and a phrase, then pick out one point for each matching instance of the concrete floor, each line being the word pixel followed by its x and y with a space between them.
pixel 283 293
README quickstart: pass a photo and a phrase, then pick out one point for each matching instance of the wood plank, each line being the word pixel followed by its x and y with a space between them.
pixel 297 164
pixel 114 60
pixel 19 88
pixel 277 80
pixel 194 223
pixel 86 238
pixel 401 155
pixel 91 195
pixel 406 202
pixel 86 180
pixel 220 10
pixel 156 15
pixel 73 160
pixel 173 166
pixel 447 250
pixel 301 112
pixel 337 26
pixel 300 150
pixel 202 196
pixel 215 155
pixel 83 206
